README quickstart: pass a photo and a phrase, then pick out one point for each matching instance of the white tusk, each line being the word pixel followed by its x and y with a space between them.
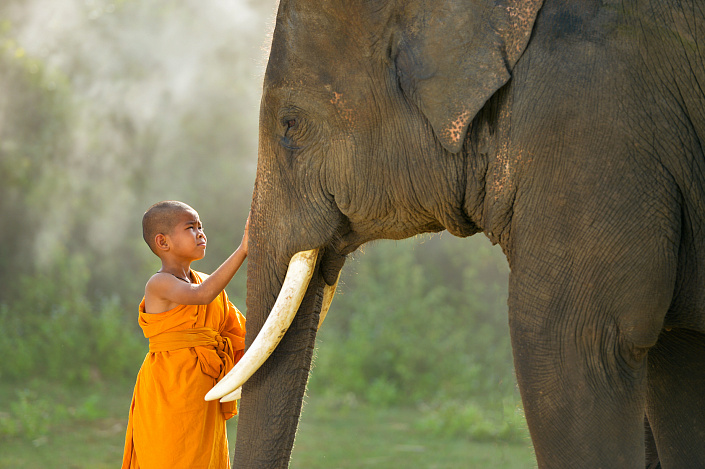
pixel 292 293
pixel 236 394
pixel 328 294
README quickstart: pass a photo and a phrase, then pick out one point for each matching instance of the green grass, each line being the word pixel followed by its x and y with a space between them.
pixel 91 434
pixel 364 437
pixel 85 426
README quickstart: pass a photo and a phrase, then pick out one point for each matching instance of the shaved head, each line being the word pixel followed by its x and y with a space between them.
pixel 161 218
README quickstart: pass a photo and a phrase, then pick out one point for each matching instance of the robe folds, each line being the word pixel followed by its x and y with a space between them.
pixel 190 348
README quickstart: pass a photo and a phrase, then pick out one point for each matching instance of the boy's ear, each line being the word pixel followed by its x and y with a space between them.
pixel 161 242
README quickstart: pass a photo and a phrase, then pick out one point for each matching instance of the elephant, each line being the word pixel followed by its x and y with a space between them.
pixel 569 132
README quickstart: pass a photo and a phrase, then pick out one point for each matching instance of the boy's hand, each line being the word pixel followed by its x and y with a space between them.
pixel 245 236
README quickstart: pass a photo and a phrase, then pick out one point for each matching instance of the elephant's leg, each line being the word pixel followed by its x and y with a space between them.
pixel 676 386
pixel 583 395
pixel 581 326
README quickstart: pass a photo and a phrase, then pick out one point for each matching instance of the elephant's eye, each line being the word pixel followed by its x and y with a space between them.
pixel 290 124
pixel 288 140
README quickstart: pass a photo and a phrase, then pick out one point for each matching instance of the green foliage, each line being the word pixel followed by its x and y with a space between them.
pixel 477 422
pixel 416 321
pixel 51 329
pixel 33 119
pixel 33 417
pixel 30 417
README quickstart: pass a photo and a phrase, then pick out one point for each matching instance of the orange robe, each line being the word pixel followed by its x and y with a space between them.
pixel 191 348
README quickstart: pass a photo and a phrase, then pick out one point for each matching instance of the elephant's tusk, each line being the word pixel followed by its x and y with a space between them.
pixel 236 394
pixel 328 294
pixel 292 293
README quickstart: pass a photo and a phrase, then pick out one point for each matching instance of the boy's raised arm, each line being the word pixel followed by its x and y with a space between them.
pixel 170 289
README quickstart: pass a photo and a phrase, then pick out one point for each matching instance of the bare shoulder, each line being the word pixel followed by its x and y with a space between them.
pixel 156 293
pixel 158 283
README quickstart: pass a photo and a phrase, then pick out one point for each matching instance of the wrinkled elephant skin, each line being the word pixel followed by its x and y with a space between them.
pixel 569 132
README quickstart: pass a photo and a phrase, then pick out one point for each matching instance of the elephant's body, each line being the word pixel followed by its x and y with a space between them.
pixel 568 132
pixel 605 236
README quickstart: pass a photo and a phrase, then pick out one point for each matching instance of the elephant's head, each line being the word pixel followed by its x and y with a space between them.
pixel 365 110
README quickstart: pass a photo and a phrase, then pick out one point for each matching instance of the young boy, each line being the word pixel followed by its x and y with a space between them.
pixel 195 337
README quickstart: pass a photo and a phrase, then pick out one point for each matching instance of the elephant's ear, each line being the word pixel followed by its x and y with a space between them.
pixel 454 54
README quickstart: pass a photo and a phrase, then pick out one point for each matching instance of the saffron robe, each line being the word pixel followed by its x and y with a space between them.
pixel 191 347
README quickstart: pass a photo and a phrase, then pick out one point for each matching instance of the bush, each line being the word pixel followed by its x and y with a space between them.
pixel 422 320
pixel 32 417
pixel 29 417
pixel 52 330
pixel 475 421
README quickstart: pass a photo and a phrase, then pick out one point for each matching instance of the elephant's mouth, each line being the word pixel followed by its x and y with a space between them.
pixel 345 241
pixel 298 276
pixel 335 254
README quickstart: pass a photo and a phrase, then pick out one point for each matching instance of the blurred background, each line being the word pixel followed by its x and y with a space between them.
pixel 107 106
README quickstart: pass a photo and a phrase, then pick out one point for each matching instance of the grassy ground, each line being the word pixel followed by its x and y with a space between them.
pixel 91 433
pixel 389 439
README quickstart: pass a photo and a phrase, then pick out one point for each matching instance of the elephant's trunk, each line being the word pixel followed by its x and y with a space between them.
pixel 272 397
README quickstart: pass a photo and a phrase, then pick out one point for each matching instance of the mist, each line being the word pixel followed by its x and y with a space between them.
pixel 143 101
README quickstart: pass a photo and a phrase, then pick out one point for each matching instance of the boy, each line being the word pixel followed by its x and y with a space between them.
pixel 195 337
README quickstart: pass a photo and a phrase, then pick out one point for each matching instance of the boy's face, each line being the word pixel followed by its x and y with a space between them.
pixel 187 239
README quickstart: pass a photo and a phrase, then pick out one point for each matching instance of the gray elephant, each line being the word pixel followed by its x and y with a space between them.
pixel 569 132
